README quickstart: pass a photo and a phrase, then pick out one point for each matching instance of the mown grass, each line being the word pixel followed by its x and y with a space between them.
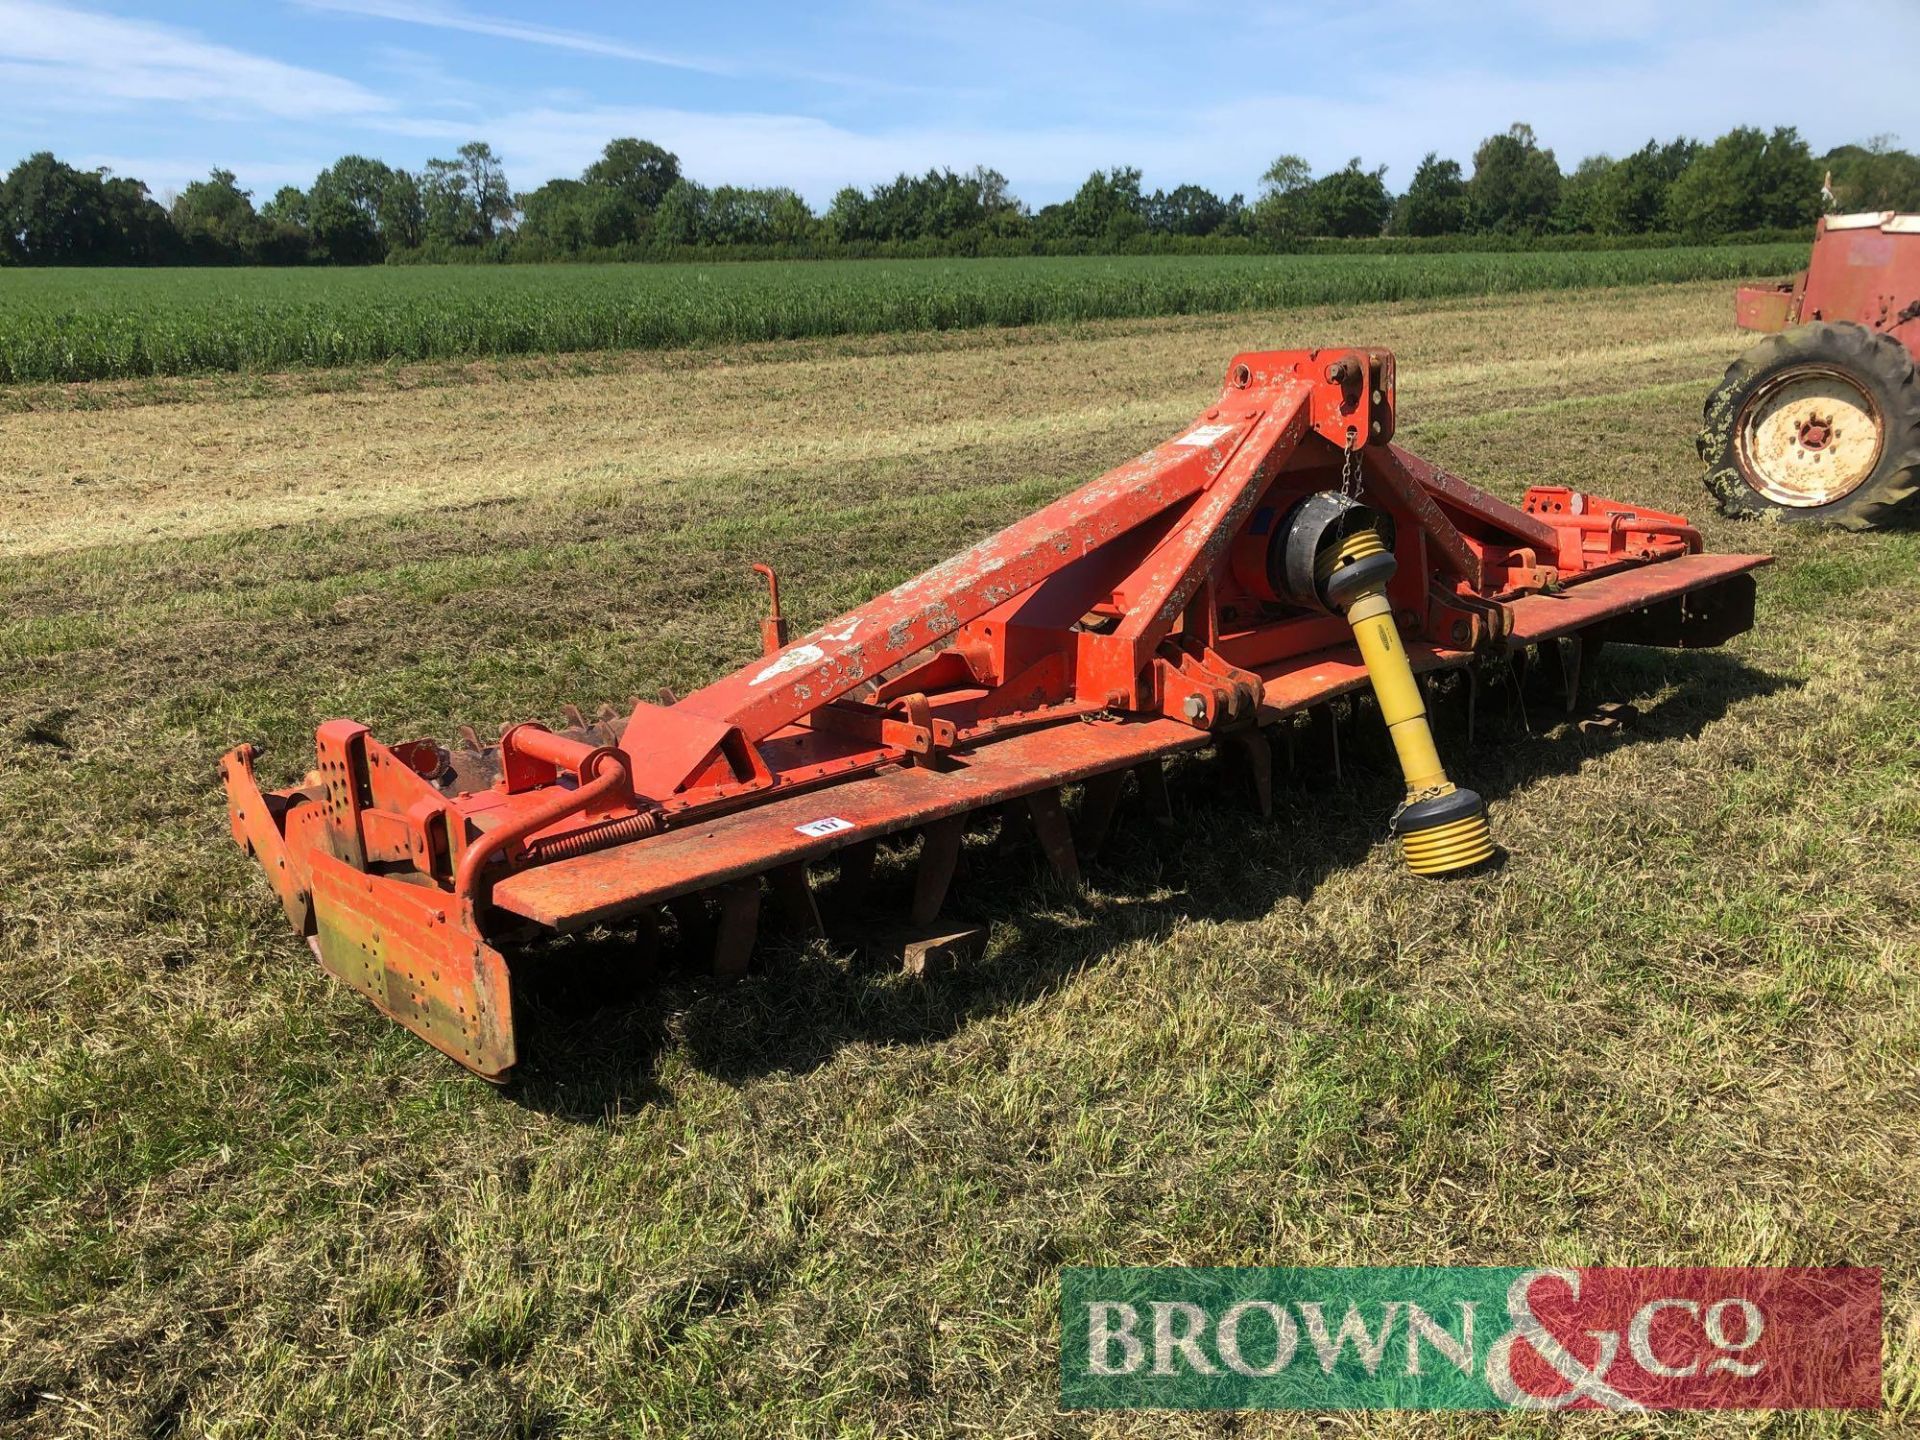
pixel 99 324
pixel 1680 1025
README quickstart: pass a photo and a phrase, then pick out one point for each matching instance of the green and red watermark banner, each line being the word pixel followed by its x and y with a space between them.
pixel 1471 1338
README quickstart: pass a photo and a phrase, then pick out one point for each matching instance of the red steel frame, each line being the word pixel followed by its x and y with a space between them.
pixel 1131 619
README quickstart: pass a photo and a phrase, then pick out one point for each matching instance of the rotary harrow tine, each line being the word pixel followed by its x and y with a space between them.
pixel 1256 749
pixel 1517 669
pixel 939 852
pixel 1098 805
pixel 1194 597
pixel 1050 827
pixel 645 944
pixel 738 928
pixel 855 884
pixel 793 894
pixel 1008 826
pixel 1572 655
pixel 1154 796
pixel 1326 731
pixel 694 921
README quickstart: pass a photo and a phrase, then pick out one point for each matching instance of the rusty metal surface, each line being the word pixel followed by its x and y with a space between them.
pixel 1132 620
pixel 1542 617
pixel 1473 501
pixel 259 826
pixel 828 662
pixel 403 948
pixel 1696 619
pixel 1864 268
pixel 1768 307
pixel 611 883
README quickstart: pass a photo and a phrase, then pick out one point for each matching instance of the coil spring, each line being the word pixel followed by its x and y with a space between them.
pixel 594 837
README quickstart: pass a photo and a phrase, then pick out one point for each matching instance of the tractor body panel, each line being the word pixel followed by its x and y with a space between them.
pixel 1864 268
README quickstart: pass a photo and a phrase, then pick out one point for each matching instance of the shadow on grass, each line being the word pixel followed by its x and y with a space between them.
pixel 595 1017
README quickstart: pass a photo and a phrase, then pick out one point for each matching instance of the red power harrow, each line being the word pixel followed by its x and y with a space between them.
pixel 1197 594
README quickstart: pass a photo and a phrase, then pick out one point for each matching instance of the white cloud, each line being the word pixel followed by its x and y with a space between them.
pixel 444 15
pixel 167 175
pixel 452 17
pixel 423 77
pixel 1614 20
pixel 1696 85
pixel 56 58
pixel 814 156
pixel 1426 86
pixel 1700 81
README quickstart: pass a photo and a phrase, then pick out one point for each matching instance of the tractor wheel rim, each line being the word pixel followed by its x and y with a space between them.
pixel 1810 436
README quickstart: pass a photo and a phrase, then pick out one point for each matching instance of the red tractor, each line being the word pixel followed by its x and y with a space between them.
pixel 1821 420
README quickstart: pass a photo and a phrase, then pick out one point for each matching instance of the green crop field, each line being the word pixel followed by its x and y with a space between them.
pixel 77 325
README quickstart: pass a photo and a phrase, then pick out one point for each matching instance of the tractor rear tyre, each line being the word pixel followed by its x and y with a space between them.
pixel 1819 423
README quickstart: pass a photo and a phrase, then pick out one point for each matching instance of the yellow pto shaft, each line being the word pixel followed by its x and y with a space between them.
pixel 1442 827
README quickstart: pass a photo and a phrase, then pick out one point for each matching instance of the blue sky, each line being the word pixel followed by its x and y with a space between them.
pixel 851 91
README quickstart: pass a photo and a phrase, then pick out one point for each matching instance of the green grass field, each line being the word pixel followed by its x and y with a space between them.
pixel 99 324
pixel 1679 1026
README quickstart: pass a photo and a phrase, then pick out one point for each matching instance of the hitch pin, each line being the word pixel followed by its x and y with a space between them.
pixel 773 629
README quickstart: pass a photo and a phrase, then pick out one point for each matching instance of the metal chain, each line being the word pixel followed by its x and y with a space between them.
pixel 1351 480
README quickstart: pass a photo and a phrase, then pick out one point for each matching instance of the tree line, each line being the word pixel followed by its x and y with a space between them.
pixel 633 202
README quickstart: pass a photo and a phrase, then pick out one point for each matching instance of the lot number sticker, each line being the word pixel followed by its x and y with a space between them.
pixel 832 825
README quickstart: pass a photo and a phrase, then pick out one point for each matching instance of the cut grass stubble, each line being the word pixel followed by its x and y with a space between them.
pixel 1678 1027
